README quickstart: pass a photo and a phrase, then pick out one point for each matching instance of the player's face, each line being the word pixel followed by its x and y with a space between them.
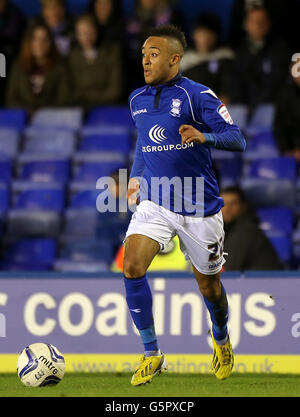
pixel 157 60
pixel 233 207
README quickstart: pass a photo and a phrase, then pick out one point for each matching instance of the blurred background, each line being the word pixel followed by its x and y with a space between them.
pixel 64 122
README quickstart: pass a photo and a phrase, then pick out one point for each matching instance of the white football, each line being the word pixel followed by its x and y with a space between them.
pixel 40 364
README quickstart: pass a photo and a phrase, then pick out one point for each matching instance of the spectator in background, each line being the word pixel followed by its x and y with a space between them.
pixel 54 15
pixel 261 62
pixel 287 115
pixel 116 223
pixel 12 25
pixel 247 246
pixel 208 62
pixel 38 78
pixel 108 14
pixel 146 15
pixel 95 72
pixel 284 17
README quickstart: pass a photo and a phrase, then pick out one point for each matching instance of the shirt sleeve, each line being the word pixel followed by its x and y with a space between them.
pixel 138 165
pixel 225 134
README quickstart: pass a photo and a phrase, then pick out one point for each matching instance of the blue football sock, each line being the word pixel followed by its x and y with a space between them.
pixel 219 316
pixel 139 301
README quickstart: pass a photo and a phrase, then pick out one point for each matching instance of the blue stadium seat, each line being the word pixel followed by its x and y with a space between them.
pixel 5 169
pixel 239 114
pixel 229 166
pixel 63 118
pixel 84 199
pixel 274 168
pixel 80 223
pixel 267 192
pixel 56 170
pixel 109 116
pixel 282 244
pixel 9 142
pixel 4 198
pixel 33 223
pixel 30 255
pixel 261 119
pixel 41 198
pixel 90 172
pixel 88 250
pixel 108 140
pixel 50 141
pixel 276 218
pixel 13 119
pixel 261 145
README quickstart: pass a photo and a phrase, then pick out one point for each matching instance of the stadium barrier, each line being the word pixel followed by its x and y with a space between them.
pixel 86 317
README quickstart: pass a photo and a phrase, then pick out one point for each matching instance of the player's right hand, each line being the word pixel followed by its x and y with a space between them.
pixel 132 191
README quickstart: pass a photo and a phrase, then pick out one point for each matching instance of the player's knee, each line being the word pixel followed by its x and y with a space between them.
pixel 133 268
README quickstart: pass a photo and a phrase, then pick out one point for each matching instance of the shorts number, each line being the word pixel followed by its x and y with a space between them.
pixel 216 250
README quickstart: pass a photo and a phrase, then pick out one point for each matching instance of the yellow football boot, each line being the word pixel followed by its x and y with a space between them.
pixel 149 367
pixel 222 362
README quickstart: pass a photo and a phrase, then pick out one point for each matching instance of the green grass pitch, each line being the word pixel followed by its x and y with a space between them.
pixel 165 385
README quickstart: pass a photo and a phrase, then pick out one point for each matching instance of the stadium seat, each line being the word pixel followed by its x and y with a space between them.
pixel 282 244
pixel 50 141
pixel 84 199
pixel 41 198
pixel 37 223
pixel 276 218
pixel 13 119
pixel 4 199
pixel 55 170
pixel 109 116
pixel 88 250
pixel 64 118
pixel 228 165
pixel 274 168
pixel 261 119
pixel 80 223
pixel 5 169
pixel 114 139
pixel 9 142
pixel 87 255
pixel 30 255
pixel 90 172
pixel 239 114
pixel 36 209
pixel 261 145
pixel 263 192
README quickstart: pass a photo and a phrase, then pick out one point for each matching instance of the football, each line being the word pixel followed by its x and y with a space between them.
pixel 40 364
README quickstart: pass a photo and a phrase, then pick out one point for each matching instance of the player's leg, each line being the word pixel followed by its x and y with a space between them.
pixel 214 295
pixel 201 241
pixel 215 298
pixel 139 253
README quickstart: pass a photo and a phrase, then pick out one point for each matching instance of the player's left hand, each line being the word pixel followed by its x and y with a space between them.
pixel 190 134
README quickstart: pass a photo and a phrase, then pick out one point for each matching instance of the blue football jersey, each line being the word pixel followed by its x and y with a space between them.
pixel 158 112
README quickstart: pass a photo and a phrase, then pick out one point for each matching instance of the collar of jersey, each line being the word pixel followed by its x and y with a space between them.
pixel 171 82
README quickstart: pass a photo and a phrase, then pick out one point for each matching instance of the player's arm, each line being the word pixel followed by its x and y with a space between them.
pixel 224 133
pixel 137 171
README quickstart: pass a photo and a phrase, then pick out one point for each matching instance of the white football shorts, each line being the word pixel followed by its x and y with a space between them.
pixel 201 238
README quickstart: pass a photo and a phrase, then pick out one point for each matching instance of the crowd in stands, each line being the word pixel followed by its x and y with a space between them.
pixel 59 60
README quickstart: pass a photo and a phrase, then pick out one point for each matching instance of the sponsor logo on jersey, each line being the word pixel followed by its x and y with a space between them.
pixel 139 112
pixel 171 147
pixel 175 107
pixel 156 134
pixel 224 113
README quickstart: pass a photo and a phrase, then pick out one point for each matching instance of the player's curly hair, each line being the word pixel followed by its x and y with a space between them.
pixel 170 31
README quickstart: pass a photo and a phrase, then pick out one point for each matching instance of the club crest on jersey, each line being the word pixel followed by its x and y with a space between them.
pixel 175 107
pixel 224 113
